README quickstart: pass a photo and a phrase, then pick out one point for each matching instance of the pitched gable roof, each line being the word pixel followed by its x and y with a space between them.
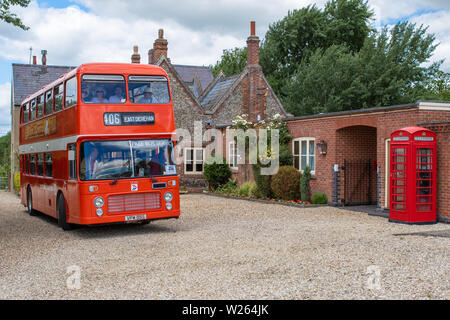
pixel 27 79
pixel 218 90
pixel 187 74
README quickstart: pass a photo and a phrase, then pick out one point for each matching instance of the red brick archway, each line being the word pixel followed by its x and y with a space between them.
pixel 356 154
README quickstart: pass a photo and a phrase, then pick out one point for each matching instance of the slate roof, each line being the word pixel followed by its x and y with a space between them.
pixel 29 78
pixel 217 91
pixel 187 74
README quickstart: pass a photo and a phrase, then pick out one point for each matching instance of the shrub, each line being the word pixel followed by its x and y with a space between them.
pixel 217 173
pixel 17 182
pixel 228 188
pixel 305 188
pixel 247 189
pixel 285 183
pixel 319 198
pixel 286 158
pixel 263 189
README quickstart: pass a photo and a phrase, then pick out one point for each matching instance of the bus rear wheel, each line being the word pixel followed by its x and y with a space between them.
pixel 62 218
pixel 30 209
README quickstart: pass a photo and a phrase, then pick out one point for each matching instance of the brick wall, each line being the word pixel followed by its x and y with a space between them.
pixel 347 139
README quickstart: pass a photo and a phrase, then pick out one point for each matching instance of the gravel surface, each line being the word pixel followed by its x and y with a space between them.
pixel 224 249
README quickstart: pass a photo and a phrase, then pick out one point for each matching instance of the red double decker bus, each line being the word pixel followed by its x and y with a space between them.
pixel 97 146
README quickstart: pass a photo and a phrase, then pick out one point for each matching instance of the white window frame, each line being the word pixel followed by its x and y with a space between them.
pixel 299 155
pixel 194 160
pixel 233 159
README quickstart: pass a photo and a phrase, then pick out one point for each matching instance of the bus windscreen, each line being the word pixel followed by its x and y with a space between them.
pixel 102 160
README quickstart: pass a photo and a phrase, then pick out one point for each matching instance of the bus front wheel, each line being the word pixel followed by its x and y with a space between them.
pixel 30 209
pixel 62 219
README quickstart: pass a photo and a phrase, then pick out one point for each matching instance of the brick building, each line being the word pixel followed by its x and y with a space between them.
pixel 358 142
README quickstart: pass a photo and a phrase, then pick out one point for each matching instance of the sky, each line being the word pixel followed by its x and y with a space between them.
pixel 80 31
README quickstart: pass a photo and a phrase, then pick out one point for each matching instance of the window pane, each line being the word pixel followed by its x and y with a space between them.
pixel 48 103
pixel 304 162
pixel 71 92
pixel 199 155
pixel 103 89
pixel 189 154
pixel 25 113
pixel 58 96
pixel 40 106
pixel 189 167
pixel 48 165
pixel 304 148
pixel 33 109
pixel 199 167
pixel 148 89
pixel 32 164
pixel 296 147
pixel 311 147
pixel 72 162
pixel 311 163
pixel 296 162
pixel 40 164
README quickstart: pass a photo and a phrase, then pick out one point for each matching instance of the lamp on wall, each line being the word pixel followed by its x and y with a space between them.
pixel 322 147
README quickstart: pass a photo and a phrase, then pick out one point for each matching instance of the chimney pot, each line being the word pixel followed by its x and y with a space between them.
pixel 252 46
pixel 135 57
pixel 34 60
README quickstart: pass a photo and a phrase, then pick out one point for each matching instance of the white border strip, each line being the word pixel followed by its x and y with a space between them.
pixel 61 143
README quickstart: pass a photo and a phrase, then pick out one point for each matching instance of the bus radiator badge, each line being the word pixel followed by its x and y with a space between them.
pixel 134 187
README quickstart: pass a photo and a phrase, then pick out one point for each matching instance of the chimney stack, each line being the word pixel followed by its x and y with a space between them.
pixel 135 57
pixel 159 48
pixel 252 46
pixel 34 60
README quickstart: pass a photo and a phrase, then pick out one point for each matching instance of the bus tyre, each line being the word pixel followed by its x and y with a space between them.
pixel 30 209
pixel 62 219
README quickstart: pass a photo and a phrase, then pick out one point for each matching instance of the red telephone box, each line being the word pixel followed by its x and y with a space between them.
pixel 413 176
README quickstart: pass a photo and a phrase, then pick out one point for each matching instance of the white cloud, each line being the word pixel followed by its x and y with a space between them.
pixel 438 24
pixel 5 108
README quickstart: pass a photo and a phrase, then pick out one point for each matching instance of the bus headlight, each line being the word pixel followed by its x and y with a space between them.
pixel 168 206
pixel 99 202
pixel 99 212
pixel 168 196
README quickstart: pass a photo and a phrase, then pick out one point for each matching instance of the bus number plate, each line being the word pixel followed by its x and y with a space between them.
pixel 128 118
pixel 136 218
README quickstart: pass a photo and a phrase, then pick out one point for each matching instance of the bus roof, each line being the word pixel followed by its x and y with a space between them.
pixel 102 68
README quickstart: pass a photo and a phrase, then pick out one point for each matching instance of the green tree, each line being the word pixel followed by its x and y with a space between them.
pixel 8 17
pixel 389 69
pixel 296 37
pixel 5 151
pixel 232 62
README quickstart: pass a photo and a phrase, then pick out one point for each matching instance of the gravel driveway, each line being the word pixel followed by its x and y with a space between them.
pixel 224 249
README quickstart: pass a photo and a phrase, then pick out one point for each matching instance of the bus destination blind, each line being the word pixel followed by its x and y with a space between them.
pixel 128 118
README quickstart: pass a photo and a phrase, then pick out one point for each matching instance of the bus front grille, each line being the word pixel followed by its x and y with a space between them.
pixel 134 202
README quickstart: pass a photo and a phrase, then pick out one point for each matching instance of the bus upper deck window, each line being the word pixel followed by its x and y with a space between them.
pixel 40 106
pixel 103 88
pixel 48 103
pixel 148 89
pixel 58 96
pixel 25 112
pixel 33 109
